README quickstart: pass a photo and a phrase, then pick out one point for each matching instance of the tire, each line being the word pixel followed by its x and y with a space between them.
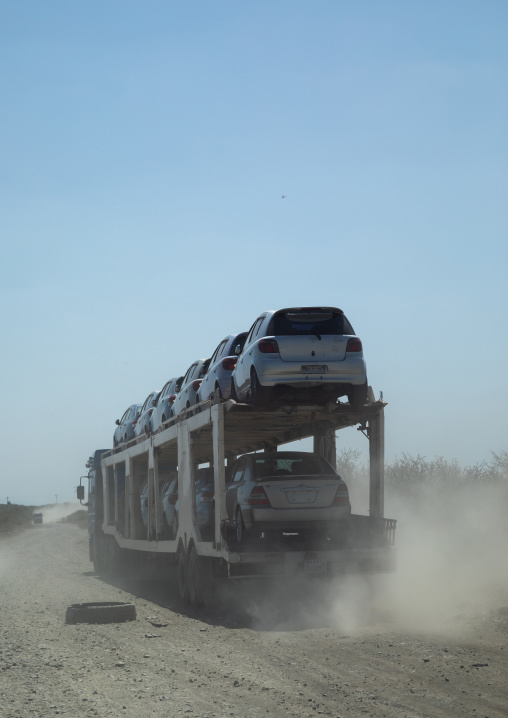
pixel 217 395
pixel 357 395
pixel 259 395
pixel 163 420
pixel 166 533
pixel 104 612
pixel 240 532
pixel 175 526
pixel 233 395
pixel 198 578
pixel 112 557
pixel 183 577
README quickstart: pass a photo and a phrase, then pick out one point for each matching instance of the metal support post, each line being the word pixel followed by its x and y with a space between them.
pixel 376 434
pixel 218 467
pixel 324 443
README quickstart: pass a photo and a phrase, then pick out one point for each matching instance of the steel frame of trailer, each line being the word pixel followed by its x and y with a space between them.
pixel 215 433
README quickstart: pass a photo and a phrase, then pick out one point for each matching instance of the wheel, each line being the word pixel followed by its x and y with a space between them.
pixel 357 395
pixel 175 526
pixel 199 578
pixel 183 583
pixel 217 395
pixel 259 395
pixel 163 420
pixel 112 557
pixel 240 532
pixel 166 533
pixel 233 395
pixel 97 551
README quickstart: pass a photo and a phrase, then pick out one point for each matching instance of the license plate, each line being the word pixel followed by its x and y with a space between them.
pixel 301 497
pixel 314 565
pixel 314 369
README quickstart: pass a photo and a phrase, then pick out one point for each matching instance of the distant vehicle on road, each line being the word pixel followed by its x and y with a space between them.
pixel 37 518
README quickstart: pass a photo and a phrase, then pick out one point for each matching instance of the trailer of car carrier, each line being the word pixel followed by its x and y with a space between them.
pixel 214 434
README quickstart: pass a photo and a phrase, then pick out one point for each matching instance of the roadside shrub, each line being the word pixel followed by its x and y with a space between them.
pixel 14 517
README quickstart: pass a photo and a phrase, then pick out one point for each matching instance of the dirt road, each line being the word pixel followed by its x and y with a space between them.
pixel 334 652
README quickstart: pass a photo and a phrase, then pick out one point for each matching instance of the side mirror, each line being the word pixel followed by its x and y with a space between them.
pixel 80 492
pixel 117 422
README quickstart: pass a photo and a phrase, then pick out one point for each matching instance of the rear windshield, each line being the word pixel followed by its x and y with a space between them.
pixel 291 466
pixel 317 322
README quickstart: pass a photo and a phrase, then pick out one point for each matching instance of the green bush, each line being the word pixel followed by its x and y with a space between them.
pixel 14 517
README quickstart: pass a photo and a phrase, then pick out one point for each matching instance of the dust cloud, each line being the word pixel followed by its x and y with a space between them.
pixel 452 571
pixel 52 513
pixel 452 558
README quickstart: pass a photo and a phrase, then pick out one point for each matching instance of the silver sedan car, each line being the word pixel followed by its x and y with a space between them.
pixel 286 492
pixel 301 353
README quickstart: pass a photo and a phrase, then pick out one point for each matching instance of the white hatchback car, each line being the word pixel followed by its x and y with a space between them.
pixel 217 380
pixel 186 397
pixel 301 353
pixel 162 410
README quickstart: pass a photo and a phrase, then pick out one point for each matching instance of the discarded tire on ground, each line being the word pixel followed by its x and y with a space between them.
pixel 103 612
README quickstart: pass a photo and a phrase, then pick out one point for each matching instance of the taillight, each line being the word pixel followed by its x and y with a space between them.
pixel 268 346
pixel 258 497
pixel 341 495
pixel 172 499
pixel 150 412
pixel 354 345
pixel 229 363
pixel 135 421
pixel 206 497
pixel 196 384
pixel 171 397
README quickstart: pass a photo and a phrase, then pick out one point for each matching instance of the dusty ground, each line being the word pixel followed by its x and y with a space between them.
pixel 285 654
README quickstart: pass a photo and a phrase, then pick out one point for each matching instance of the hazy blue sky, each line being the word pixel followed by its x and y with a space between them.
pixel 145 147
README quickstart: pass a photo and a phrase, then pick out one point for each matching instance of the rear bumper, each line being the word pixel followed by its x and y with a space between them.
pixel 335 563
pixel 276 372
pixel 294 519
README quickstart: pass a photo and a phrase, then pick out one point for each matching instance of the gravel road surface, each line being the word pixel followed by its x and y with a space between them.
pixel 267 651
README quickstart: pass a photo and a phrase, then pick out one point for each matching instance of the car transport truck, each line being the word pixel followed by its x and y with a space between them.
pixel 214 434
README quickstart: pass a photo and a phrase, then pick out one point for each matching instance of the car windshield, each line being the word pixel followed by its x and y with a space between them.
pixel 286 465
pixel 304 322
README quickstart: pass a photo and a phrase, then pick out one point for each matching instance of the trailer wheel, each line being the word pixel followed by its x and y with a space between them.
pixel 196 588
pixel 112 557
pixel 183 577
pixel 240 532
